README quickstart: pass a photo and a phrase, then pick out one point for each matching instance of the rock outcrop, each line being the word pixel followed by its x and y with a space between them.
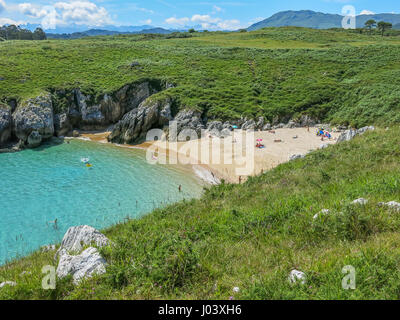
pixel 350 134
pixel 5 124
pixel 81 266
pixel 77 237
pixel 34 121
pixel 8 283
pixel 135 124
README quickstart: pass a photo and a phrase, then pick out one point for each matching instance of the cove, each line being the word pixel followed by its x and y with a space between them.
pixel 40 185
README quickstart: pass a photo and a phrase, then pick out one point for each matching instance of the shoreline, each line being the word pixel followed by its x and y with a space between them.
pixel 280 146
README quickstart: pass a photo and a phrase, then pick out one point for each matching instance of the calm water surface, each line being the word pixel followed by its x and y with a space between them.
pixel 51 182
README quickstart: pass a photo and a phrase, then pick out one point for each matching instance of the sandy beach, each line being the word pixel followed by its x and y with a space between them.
pixel 215 159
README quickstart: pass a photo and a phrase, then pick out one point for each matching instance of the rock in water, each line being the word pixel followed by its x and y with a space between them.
pixel 5 123
pixel 82 266
pixel 77 237
pixel 35 115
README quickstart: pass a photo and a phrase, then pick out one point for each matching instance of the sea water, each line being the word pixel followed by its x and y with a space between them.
pixel 51 182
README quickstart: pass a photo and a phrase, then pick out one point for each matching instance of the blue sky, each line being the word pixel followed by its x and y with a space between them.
pixel 213 15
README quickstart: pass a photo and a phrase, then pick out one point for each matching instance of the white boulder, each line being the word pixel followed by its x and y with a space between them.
pixel 82 266
pixel 297 276
pixel 296 156
pixel 360 201
pixel 393 205
pixel 77 237
pixel 323 212
pixel 8 283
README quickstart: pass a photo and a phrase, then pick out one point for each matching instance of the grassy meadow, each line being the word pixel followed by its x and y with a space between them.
pixel 279 73
pixel 252 235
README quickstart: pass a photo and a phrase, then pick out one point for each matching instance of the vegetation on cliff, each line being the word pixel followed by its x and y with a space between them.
pixel 252 235
pixel 280 73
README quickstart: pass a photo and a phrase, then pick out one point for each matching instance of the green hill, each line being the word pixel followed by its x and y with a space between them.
pixel 318 20
pixel 251 236
pixel 278 73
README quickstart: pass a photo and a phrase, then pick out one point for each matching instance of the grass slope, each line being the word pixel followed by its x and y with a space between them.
pixel 280 73
pixel 252 235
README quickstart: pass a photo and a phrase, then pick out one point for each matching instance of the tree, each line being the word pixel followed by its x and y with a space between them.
pixel 39 34
pixel 192 30
pixel 370 24
pixel 383 26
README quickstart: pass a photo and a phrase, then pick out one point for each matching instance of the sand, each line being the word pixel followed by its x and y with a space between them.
pixel 214 159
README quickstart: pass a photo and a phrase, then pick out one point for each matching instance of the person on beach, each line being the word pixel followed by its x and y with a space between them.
pixel 240 179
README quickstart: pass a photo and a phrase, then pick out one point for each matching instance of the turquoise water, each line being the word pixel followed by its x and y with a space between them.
pixel 41 185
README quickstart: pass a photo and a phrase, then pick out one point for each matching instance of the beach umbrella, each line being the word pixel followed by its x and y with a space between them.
pixel 259 140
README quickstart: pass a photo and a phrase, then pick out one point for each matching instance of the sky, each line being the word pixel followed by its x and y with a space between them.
pixel 171 14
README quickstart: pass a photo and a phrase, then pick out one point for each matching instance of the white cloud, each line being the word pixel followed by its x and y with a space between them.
pixel 229 25
pixel 29 10
pixel 206 22
pixel 217 9
pixel 204 19
pixel 82 12
pixel 148 21
pixel 177 21
pixel 4 21
pixel 78 12
pixel 366 12
pixel 2 5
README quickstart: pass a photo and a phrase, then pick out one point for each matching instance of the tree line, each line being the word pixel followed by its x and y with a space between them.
pixel 12 32
pixel 381 26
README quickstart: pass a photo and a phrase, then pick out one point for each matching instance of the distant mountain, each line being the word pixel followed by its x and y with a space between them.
pixel 74 28
pixel 319 20
pixel 100 32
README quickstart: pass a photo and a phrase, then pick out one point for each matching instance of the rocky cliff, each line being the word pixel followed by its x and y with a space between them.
pixel 58 112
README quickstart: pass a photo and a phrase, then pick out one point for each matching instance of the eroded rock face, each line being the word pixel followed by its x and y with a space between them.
pixel 82 266
pixel 135 124
pixel 35 115
pixel 189 120
pixel 350 134
pixel 111 108
pixel 5 124
pixel 77 237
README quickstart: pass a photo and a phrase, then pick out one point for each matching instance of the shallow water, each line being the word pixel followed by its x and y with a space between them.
pixel 51 182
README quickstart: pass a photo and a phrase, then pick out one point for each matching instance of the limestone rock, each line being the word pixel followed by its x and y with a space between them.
pixel 77 237
pixel 249 125
pixel 360 201
pixel 82 266
pixel 393 205
pixel 323 212
pixel 297 276
pixel 34 115
pixel 8 283
pixel 5 123
pixel 267 127
pixel 135 124
pixel 296 156
pixel 350 134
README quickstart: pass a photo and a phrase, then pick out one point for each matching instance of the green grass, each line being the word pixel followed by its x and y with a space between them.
pixel 280 73
pixel 252 235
